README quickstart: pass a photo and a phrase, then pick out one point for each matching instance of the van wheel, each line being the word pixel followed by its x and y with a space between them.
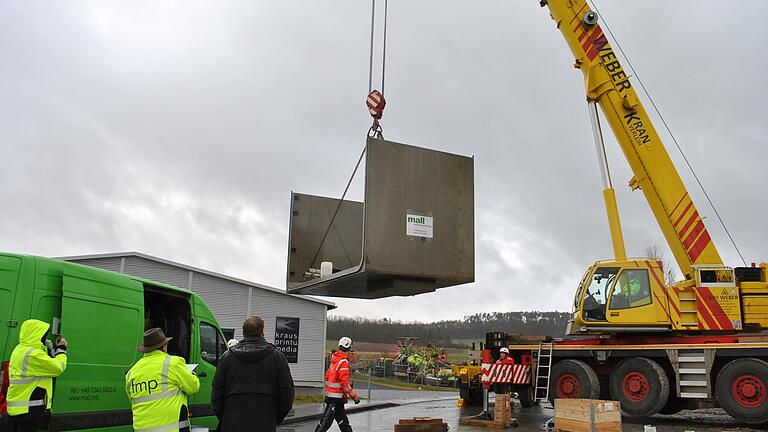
pixel 641 385
pixel 742 390
pixel 573 379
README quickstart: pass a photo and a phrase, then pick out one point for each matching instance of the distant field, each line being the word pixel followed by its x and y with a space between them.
pixel 468 342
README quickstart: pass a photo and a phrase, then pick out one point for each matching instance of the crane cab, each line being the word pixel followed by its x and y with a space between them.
pixel 621 296
pixel 631 296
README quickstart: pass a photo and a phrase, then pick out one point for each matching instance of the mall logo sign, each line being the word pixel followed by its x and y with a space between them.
pixel 418 225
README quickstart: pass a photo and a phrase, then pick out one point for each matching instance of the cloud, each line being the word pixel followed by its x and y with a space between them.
pixel 180 129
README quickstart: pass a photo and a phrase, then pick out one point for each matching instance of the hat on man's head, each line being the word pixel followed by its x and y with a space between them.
pixel 154 338
pixel 345 343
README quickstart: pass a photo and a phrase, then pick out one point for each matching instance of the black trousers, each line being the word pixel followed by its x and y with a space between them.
pixel 24 422
pixel 334 410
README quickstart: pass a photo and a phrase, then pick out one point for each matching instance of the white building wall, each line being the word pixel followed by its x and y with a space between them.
pixel 111 264
pixel 226 299
pixel 156 271
pixel 232 302
pixel 269 306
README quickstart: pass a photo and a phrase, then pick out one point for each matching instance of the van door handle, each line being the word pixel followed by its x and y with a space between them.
pixel 614 314
pixel 202 374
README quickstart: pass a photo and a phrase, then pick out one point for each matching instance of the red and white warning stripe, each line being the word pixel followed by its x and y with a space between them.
pixel 506 374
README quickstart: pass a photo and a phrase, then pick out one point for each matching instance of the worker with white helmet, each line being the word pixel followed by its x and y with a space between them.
pixel 504 357
pixel 338 389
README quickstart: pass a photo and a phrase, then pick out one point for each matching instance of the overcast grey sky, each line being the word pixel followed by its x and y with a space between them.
pixel 179 128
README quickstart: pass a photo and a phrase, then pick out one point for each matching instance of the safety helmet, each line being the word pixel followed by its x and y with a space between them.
pixel 345 342
pixel 504 350
pixel 231 343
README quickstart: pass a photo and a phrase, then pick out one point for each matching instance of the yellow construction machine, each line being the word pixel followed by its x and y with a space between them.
pixel 655 347
pixel 630 294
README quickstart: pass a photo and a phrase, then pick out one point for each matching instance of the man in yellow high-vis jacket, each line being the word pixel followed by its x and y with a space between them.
pixel 158 385
pixel 31 372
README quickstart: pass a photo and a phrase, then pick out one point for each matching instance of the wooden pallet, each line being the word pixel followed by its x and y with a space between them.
pixel 568 425
pixel 490 424
pixel 421 424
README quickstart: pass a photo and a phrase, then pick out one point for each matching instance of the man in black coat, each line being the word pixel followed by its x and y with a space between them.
pixel 253 388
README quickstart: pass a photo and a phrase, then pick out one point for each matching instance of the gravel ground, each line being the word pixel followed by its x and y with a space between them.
pixel 714 419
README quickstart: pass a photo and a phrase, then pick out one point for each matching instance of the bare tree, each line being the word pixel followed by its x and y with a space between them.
pixel 670 272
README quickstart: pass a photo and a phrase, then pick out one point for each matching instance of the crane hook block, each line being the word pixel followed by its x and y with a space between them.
pixel 376 103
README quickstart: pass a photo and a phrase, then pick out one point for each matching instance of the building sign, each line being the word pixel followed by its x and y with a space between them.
pixel 418 225
pixel 287 337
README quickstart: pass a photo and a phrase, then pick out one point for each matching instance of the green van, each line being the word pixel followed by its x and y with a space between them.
pixel 103 315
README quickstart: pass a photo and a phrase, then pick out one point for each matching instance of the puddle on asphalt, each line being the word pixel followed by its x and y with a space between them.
pixel 529 420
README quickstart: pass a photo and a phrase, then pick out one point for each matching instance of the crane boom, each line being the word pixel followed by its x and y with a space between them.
pixel 609 85
pixel 660 346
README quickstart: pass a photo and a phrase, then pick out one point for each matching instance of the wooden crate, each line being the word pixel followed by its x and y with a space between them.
pixel 587 415
pixel 502 415
pixel 502 411
pixel 421 424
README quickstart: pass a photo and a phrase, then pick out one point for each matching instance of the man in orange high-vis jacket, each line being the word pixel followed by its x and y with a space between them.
pixel 504 357
pixel 338 389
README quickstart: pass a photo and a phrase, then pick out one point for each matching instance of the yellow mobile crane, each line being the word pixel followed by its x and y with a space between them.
pixel 654 347
pixel 630 295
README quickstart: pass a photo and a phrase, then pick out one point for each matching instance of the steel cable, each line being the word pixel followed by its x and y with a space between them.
pixel 669 131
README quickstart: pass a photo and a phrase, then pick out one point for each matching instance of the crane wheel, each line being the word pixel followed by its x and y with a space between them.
pixel 470 396
pixel 674 405
pixel 526 397
pixel 573 379
pixel 641 385
pixel 742 390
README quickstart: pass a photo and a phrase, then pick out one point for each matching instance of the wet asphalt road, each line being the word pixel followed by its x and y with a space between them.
pixel 530 419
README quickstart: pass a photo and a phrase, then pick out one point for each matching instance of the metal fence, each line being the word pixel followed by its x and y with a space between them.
pixel 399 371
pixel 404 372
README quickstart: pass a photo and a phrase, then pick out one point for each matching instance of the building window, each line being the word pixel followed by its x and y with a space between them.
pixel 229 333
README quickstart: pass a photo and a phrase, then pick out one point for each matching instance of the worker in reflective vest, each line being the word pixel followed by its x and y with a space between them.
pixel 158 385
pixel 337 389
pixel 31 372
pixel 504 359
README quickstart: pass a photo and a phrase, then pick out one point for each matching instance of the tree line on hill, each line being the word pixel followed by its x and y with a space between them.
pixel 448 333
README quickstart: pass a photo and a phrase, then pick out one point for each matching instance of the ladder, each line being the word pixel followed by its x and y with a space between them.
pixel 543 371
pixel 693 374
